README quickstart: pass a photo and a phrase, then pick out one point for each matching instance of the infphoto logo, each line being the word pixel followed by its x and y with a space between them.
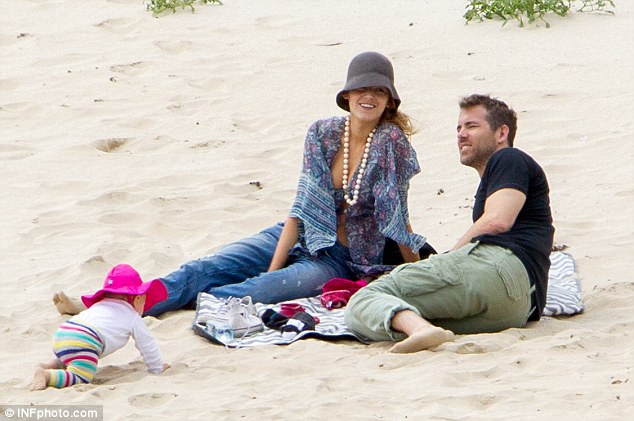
pixel 51 412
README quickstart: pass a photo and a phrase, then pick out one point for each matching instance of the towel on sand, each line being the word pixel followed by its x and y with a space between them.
pixel 564 298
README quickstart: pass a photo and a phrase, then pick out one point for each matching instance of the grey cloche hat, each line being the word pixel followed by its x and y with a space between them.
pixel 369 69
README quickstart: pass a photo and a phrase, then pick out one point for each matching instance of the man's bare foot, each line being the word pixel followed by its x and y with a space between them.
pixel 51 365
pixel 66 305
pixel 40 379
pixel 425 338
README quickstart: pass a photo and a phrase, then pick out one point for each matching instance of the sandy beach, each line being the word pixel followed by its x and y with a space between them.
pixel 154 141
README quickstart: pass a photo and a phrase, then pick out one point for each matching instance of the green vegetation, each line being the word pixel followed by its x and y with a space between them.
pixel 530 10
pixel 159 6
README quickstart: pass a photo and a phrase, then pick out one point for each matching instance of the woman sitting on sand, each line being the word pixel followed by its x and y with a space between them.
pixel 351 201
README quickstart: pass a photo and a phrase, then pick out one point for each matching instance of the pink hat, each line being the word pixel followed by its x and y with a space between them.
pixel 123 279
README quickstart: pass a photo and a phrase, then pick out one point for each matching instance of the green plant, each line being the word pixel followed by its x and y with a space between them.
pixel 529 10
pixel 159 6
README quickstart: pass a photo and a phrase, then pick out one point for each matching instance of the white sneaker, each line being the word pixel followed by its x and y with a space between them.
pixel 243 317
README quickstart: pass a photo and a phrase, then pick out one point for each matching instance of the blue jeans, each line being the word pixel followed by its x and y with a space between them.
pixel 240 269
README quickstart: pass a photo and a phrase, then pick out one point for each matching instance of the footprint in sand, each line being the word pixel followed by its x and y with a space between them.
pixel 150 400
pixel 110 145
pixel 625 193
pixel 480 344
pixel 127 68
pixel 109 198
pixel 174 47
pixel 118 26
pixel 115 374
pixel 15 152
pixel 281 22
pixel 122 218
pixel 213 144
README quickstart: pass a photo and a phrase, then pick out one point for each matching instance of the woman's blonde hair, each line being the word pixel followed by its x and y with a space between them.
pixel 400 119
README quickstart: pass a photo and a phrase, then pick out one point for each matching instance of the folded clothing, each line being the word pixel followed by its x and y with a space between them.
pixel 300 322
pixel 291 309
pixel 337 292
pixel 273 320
pixel 289 326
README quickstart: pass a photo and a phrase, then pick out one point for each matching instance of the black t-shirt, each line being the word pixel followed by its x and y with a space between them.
pixel 531 237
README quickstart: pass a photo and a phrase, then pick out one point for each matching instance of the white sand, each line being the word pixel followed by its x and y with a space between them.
pixel 125 138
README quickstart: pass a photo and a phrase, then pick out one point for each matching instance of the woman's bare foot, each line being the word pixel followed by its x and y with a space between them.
pixel 66 305
pixel 424 338
pixel 40 379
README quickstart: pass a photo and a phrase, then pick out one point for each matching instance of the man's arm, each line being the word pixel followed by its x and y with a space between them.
pixel 500 211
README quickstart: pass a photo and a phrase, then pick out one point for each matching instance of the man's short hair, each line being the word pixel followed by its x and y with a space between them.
pixel 498 113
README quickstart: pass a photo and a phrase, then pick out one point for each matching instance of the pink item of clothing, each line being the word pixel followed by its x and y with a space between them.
pixel 337 292
pixel 124 279
pixel 291 309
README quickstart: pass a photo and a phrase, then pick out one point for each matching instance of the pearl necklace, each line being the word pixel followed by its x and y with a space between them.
pixel 362 164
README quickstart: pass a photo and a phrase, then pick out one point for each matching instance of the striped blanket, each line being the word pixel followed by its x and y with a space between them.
pixel 564 290
pixel 564 298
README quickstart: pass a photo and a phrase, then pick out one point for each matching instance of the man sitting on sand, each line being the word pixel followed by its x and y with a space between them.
pixel 496 276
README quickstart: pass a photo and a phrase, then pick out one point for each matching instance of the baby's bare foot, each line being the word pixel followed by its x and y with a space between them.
pixel 40 379
pixel 66 305
pixel 422 339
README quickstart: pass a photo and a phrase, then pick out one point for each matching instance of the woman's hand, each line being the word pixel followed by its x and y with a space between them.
pixel 408 255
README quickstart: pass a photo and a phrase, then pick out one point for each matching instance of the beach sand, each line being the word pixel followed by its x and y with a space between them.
pixel 153 141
